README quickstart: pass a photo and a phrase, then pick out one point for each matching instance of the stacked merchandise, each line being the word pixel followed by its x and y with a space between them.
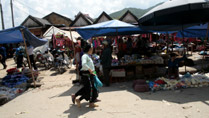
pixel 114 62
pixel 7 94
pixel 96 60
pixel 186 81
pixel 134 59
pixel 14 83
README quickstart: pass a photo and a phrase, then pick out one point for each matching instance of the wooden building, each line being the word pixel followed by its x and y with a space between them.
pixel 36 25
pixel 57 19
pixel 129 17
pixel 102 18
pixel 82 20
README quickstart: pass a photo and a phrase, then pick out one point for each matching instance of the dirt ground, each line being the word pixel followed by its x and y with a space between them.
pixel 53 100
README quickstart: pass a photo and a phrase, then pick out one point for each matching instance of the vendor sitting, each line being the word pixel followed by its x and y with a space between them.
pixel 173 66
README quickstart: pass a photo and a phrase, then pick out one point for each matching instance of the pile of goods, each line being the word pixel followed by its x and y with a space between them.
pixel 135 59
pixel 7 94
pixel 186 81
pixel 14 83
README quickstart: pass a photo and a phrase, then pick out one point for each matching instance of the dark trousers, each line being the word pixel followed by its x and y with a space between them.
pixel 32 62
pixel 106 74
pixel 3 62
pixel 173 73
pixel 19 61
pixel 88 91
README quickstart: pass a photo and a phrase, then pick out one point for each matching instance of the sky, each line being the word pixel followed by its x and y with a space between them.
pixel 68 8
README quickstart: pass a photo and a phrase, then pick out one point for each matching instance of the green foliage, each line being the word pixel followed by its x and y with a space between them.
pixel 136 11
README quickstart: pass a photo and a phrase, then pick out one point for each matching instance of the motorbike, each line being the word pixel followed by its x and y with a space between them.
pixel 49 59
pixel 61 61
pixel 45 58
pixel 38 56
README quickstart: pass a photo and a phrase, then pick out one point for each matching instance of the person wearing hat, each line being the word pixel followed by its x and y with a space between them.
pixel 106 60
pixel 173 66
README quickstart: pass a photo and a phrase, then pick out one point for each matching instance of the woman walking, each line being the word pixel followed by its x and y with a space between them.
pixel 88 91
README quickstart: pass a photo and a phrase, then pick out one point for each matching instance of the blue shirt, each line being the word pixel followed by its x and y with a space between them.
pixel 3 52
pixel 175 63
pixel 20 51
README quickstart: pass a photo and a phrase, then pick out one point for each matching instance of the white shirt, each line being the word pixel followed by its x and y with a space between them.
pixel 30 50
pixel 87 63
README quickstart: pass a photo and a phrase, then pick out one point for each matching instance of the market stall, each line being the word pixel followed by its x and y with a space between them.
pixel 15 82
pixel 139 63
pixel 54 30
pixel 129 59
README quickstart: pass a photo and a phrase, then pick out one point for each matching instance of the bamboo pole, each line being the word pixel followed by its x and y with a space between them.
pixel 167 43
pixel 29 63
pixel 117 43
pixel 205 41
pixel 156 47
pixel 172 42
pixel 77 71
pixel 184 47
pixel 185 54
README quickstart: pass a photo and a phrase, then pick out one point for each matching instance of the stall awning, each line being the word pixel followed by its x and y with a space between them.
pixel 14 35
pixel 109 28
pixel 54 30
pixel 194 31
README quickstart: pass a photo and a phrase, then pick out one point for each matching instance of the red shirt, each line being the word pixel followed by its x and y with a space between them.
pixel 77 49
pixel 124 46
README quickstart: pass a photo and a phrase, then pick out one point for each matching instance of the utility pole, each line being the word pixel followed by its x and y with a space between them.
pixel 13 24
pixel 2 16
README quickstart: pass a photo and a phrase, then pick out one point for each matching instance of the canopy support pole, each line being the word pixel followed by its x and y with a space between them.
pixel 167 42
pixel 156 47
pixel 117 42
pixel 184 48
pixel 74 55
pixel 172 43
pixel 205 41
pixel 29 63
pixel 117 34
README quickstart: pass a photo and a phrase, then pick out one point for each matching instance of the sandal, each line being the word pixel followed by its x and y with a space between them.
pixel 73 98
pixel 78 102
pixel 92 105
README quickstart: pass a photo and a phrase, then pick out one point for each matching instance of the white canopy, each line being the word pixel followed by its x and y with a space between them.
pixel 54 30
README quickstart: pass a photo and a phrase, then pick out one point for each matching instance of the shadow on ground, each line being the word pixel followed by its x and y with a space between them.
pixel 72 71
pixel 175 96
pixel 75 112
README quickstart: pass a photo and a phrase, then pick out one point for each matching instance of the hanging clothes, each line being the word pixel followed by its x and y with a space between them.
pixel 95 43
pixel 98 42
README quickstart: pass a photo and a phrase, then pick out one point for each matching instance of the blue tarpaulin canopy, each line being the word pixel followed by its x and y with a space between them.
pixel 194 31
pixel 14 35
pixel 109 28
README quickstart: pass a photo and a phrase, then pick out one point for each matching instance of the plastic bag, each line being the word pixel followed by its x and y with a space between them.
pixel 97 82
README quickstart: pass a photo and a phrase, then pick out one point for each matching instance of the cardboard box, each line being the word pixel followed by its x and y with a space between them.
pixel 118 73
